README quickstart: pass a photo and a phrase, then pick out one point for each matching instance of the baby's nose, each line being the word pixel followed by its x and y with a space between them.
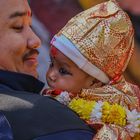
pixel 52 76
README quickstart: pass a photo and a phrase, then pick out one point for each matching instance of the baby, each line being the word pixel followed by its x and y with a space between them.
pixel 88 58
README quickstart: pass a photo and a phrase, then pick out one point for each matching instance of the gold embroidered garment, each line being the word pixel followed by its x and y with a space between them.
pixel 120 93
pixel 123 94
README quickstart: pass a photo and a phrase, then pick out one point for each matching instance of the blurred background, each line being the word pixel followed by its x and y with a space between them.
pixel 49 16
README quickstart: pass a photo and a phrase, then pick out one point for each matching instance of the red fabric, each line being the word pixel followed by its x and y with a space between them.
pixel 55 14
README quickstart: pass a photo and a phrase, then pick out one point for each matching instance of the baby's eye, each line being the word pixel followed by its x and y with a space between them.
pixel 18 28
pixel 63 71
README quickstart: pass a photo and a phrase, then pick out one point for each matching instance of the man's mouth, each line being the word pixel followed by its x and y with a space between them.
pixel 31 58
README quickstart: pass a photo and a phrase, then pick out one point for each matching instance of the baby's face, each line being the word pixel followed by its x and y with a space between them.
pixel 63 74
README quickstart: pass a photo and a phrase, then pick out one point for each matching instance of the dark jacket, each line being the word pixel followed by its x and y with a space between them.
pixel 36 117
pixel 5 128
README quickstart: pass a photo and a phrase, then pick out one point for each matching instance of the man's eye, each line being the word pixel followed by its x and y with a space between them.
pixel 18 28
pixel 63 71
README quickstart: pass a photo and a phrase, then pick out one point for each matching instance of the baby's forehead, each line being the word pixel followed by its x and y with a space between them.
pixel 60 58
pixel 58 54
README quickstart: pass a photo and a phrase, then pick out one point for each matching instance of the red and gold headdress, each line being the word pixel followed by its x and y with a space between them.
pixel 103 34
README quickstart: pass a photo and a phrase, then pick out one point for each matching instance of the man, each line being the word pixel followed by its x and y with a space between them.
pixel 30 115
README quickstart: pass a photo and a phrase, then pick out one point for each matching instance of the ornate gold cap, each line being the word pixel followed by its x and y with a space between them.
pixel 104 35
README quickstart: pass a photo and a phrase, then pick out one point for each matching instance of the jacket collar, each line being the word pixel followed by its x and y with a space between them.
pixel 20 82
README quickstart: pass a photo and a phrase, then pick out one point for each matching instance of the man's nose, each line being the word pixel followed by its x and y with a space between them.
pixel 33 41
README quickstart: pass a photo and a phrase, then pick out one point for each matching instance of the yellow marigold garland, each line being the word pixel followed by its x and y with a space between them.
pixel 82 107
pixel 114 114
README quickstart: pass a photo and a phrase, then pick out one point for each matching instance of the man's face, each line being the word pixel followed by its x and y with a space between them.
pixel 63 74
pixel 18 42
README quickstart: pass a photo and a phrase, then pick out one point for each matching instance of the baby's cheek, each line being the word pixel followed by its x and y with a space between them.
pixel 62 84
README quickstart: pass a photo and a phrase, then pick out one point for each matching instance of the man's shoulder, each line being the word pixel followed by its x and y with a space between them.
pixel 68 135
pixel 37 115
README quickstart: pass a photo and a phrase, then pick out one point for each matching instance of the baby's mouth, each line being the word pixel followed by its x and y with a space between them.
pixel 50 84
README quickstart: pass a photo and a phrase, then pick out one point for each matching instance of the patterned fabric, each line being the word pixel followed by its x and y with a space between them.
pixel 112 132
pixel 121 93
pixel 104 35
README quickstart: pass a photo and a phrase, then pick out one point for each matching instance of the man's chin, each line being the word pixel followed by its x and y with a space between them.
pixel 32 73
